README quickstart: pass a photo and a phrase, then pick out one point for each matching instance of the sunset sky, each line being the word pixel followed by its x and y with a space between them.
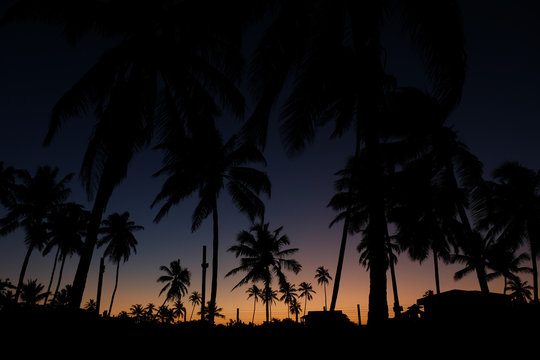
pixel 498 119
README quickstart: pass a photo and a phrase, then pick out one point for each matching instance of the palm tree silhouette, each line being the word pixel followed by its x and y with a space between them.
pixel 179 310
pixel 177 59
pixel 339 62
pixel 149 311
pixel 137 312
pixel 34 199
pixel 262 255
pixel 289 294
pixel 195 300
pixel 269 297
pixel 255 293
pixel 515 210
pixel 206 165
pixel 118 235
pixel 506 263
pixel 295 308
pixel 472 256
pixel 177 280
pixel 306 290
pixel 32 292
pixel 521 291
pixel 323 276
pixel 67 224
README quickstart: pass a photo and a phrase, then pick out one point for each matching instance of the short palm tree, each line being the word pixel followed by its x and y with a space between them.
pixel 118 235
pixel 323 276
pixel 137 312
pixel 177 280
pixel 306 290
pixel 195 299
pixel 32 292
pixel 205 165
pixel 520 291
pixel 255 293
pixel 506 263
pixel 179 310
pixel 289 295
pixel 262 254
pixel 34 199
pixel 149 311
pixel 295 308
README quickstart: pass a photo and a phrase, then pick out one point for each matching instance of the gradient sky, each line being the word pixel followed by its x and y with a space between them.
pixel 498 119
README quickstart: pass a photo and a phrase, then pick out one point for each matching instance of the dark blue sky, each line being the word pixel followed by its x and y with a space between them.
pixel 498 119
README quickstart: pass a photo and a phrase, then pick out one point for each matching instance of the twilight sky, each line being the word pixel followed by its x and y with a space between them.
pixel 498 119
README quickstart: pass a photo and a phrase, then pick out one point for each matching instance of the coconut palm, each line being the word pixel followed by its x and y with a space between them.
pixel 289 294
pixel 179 310
pixel 269 297
pixel 521 291
pixel 262 254
pixel 176 279
pixel 118 235
pixel 506 263
pixel 255 293
pixel 137 312
pixel 515 209
pixel 67 225
pixel 149 311
pixel 206 165
pixel 91 306
pixel 32 292
pixel 472 255
pixel 169 56
pixel 295 308
pixel 305 291
pixel 195 300
pixel 34 199
pixel 323 276
pixel 335 50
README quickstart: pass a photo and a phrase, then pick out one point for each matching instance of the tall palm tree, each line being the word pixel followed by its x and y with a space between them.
pixel 262 255
pixel 337 52
pixel 295 308
pixel 255 293
pixel 67 224
pixel 195 300
pixel 170 56
pixel 118 235
pixel 306 290
pixel 176 279
pixel 323 276
pixel 472 255
pixel 289 295
pixel 34 199
pixel 206 165
pixel 515 210
pixel 269 297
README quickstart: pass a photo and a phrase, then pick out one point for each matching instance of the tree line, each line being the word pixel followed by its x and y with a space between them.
pixel 177 67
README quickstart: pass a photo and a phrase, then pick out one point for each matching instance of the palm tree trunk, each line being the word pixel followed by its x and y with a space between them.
pixel 79 282
pixel 325 304
pixel 341 257
pixel 397 307
pixel 59 277
pixel 115 287
pixel 267 296
pixel 254 305
pixel 436 265
pixel 23 272
pixel 52 276
pixel 534 254
pixel 215 243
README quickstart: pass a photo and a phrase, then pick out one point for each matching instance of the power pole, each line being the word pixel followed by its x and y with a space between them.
pixel 204 266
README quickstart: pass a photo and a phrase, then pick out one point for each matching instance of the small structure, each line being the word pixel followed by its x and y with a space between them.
pixel 462 306
pixel 327 319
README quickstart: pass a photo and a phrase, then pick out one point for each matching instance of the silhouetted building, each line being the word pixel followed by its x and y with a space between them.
pixel 461 305
pixel 327 319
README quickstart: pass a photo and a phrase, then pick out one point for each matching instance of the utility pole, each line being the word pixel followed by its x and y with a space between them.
pixel 100 283
pixel 359 318
pixel 204 266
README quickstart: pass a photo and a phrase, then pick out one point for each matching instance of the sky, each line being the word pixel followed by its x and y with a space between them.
pixel 498 119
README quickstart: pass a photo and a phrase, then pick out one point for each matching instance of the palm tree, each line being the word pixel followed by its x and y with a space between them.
pixel 34 199
pixel 255 293
pixel 336 49
pixel 289 294
pixel 179 310
pixel 506 263
pixel 149 311
pixel 91 306
pixel 262 255
pixel 32 292
pixel 295 308
pixel 269 297
pixel 472 256
pixel 177 280
pixel 206 165
pixel 177 59
pixel 118 235
pixel 67 224
pixel 306 290
pixel 137 311
pixel 195 300
pixel 323 276
pixel 521 291
pixel 515 209
pixel 216 310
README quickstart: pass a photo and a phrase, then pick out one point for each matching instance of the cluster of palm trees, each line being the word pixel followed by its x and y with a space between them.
pixel 176 68
pixel 38 205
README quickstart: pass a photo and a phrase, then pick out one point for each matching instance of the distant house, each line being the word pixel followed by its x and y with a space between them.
pixel 327 319
pixel 462 305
